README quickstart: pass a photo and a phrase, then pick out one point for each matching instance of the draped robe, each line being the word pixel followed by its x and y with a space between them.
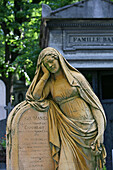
pixel 61 128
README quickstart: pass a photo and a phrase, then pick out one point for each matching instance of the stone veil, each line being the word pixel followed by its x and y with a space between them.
pixel 75 136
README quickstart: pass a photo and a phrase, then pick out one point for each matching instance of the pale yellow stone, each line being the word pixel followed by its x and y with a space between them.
pixel 30 148
pixel 73 129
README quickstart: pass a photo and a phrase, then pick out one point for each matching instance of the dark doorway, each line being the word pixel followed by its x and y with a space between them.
pixel 102 84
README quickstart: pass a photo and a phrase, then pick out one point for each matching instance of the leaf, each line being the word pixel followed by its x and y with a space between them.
pixel 19 37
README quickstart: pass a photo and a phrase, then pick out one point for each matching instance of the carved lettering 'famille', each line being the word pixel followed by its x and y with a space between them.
pixel 92 39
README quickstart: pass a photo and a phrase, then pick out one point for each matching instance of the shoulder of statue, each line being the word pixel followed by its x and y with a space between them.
pixel 78 76
pixel 81 80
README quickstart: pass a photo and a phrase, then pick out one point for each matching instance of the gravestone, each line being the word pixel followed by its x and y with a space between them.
pixel 2 100
pixel 29 148
pixel 2 110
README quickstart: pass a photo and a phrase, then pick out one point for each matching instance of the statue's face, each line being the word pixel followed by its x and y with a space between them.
pixel 51 63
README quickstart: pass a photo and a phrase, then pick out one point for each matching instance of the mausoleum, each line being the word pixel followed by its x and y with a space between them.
pixel 83 33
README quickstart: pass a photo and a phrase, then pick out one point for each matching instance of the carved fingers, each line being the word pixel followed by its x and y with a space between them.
pixel 45 70
pixel 96 146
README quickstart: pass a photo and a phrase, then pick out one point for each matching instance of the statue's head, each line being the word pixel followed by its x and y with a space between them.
pixel 47 52
pixel 51 62
pixel 49 57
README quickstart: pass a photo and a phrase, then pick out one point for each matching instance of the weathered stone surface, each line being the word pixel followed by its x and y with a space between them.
pixel 85 44
pixel 30 145
pixel 82 32
pixel 2 100
pixel 83 9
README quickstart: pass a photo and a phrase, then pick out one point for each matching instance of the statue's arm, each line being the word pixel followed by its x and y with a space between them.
pixel 88 95
pixel 37 93
pixel 98 116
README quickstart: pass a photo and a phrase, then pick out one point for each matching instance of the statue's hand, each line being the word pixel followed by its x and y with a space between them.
pixel 99 139
pixel 96 145
pixel 45 70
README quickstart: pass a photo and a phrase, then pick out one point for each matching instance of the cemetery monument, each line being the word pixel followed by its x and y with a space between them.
pixel 61 123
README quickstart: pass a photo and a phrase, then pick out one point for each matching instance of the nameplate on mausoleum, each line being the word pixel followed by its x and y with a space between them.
pixel 73 40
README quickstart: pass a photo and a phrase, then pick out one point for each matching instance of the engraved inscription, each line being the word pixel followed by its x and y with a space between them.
pixel 73 39
pixel 91 39
pixel 34 149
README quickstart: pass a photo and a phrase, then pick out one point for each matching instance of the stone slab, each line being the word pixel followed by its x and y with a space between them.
pixel 2 100
pixel 30 144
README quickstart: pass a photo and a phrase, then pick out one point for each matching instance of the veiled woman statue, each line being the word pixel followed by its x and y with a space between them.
pixel 76 118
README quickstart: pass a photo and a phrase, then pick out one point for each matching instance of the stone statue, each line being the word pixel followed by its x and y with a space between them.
pixel 76 118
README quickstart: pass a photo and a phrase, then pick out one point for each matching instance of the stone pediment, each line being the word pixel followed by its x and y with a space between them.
pixel 82 9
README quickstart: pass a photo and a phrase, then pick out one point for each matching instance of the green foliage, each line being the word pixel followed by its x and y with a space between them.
pixel 104 168
pixel 3 142
pixel 60 3
pixel 19 35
